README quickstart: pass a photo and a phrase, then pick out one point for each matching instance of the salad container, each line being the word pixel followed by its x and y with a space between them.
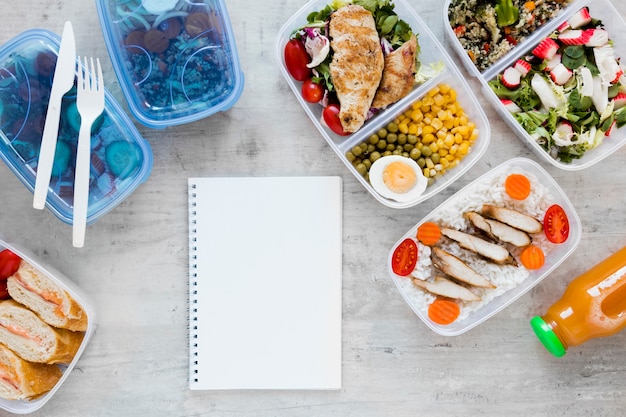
pixel 29 406
pixel 523 48
pixel 120 158
pixel 436 70
pixel 511 280
pixel 176 60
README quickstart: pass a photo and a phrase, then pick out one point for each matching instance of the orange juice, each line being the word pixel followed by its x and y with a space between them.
pixel 593 305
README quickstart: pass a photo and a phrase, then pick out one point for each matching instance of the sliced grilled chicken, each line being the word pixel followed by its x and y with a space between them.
pixel 357 65
pixel 446 288
pixel 513 218
pixel 499 231
pixel 457 269
pixel 491 251
pixel 398 75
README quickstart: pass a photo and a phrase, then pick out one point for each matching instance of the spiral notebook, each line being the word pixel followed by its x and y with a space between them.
pixel 265 283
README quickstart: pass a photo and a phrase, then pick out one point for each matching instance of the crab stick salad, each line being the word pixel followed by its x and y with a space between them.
pixel 569 93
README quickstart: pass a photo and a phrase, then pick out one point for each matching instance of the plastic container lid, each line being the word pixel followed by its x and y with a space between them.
pixel 546 335
pixel 176 61
pixel 120 158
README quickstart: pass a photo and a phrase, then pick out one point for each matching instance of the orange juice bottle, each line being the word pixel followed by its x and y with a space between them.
pixel 593 305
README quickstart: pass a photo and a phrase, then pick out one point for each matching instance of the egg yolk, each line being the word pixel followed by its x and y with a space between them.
pixel 399 177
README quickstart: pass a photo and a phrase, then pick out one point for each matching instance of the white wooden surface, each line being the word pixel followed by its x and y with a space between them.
pixel 134 265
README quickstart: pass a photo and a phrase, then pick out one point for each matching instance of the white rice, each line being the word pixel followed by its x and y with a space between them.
pixel 504 277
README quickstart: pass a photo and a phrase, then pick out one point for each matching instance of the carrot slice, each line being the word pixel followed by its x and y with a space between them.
pixel 517 186
pixel 429 233
pixel 532 257
pixel 443 311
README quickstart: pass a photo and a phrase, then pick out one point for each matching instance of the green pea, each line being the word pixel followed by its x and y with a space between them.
pixel 382 133
pixel 363 146
pixel 392 127
pixel 426 151
pixel 392 138
pixel 367 163
pixel 408 147
pixel 361 168
pixel 412 139
pixel 405 154
pixel 357 151
pixel 397 152
pixel 421 162
pixel 350 156
pixel 431 181
pixel 373 139
pixel 370 148
pixel 382 144
pixel 375 156
pixel 415 153
pixel 435 158
pixel 402 138
pixel 391 147
pixel 386 153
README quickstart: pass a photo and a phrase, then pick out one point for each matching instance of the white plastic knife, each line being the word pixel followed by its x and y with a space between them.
pixel 62 82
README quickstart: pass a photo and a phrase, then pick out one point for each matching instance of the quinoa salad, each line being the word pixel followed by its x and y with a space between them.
pixel 504 277
pixel 488 29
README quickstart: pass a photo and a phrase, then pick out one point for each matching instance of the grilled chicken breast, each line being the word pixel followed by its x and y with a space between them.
pixel 491 251
pixel 446 288
pixel 357 65
pixel 457 269
pixel 513 218
pixel 497 230
pixel 398 75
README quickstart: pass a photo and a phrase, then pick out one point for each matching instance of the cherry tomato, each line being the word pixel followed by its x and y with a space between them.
pixel 4 292
pixel 296 59
pixel 404 257
pixel 331 117
pixel 312 92
pixel 556 224
pixel 9 263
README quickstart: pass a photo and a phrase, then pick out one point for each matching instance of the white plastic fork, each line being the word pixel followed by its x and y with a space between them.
pixel 90 104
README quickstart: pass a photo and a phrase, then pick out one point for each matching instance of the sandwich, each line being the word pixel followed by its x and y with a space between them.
pixel 23 380
pixel 53 304
pixel 357 65
pixel 34 340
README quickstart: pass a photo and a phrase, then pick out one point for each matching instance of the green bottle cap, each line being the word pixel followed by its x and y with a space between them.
pixel 547 336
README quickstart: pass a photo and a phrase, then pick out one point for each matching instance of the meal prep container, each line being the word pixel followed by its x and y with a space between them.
pixel 431 53
pixel 556 255
pixel 176 60
pixel 616 27
pixel 24 406
pixel 121 159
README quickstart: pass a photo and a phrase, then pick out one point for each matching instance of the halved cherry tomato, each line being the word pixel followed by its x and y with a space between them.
pixel 296 59
pixel 311 91
pixel 556 224
pixel 404 258
pixel 331 117
pixel 9 263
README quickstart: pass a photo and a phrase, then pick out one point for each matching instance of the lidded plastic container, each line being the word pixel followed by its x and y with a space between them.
pixel 593 305
pixel 120 158
pixel 176 60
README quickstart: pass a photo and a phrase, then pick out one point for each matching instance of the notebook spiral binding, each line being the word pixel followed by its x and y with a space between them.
pixel 193 288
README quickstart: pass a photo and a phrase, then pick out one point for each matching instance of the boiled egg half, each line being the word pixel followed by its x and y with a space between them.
pixel 398 178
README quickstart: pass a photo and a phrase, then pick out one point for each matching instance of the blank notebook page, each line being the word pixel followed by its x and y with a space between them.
pixel 265 283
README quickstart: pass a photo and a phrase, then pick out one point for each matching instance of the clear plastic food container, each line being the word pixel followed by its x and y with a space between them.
pixel 598 9
pixel 176 60
pixel 512 280
pixel 29 406
pixel 120 158
pixel 434 58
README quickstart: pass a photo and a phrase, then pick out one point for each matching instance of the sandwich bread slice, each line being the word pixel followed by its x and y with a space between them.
pixel 34 340
pixel 23 380
pixel 53 304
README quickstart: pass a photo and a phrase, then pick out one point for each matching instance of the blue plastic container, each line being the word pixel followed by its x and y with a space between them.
pixel 176 60
pixel 120 158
